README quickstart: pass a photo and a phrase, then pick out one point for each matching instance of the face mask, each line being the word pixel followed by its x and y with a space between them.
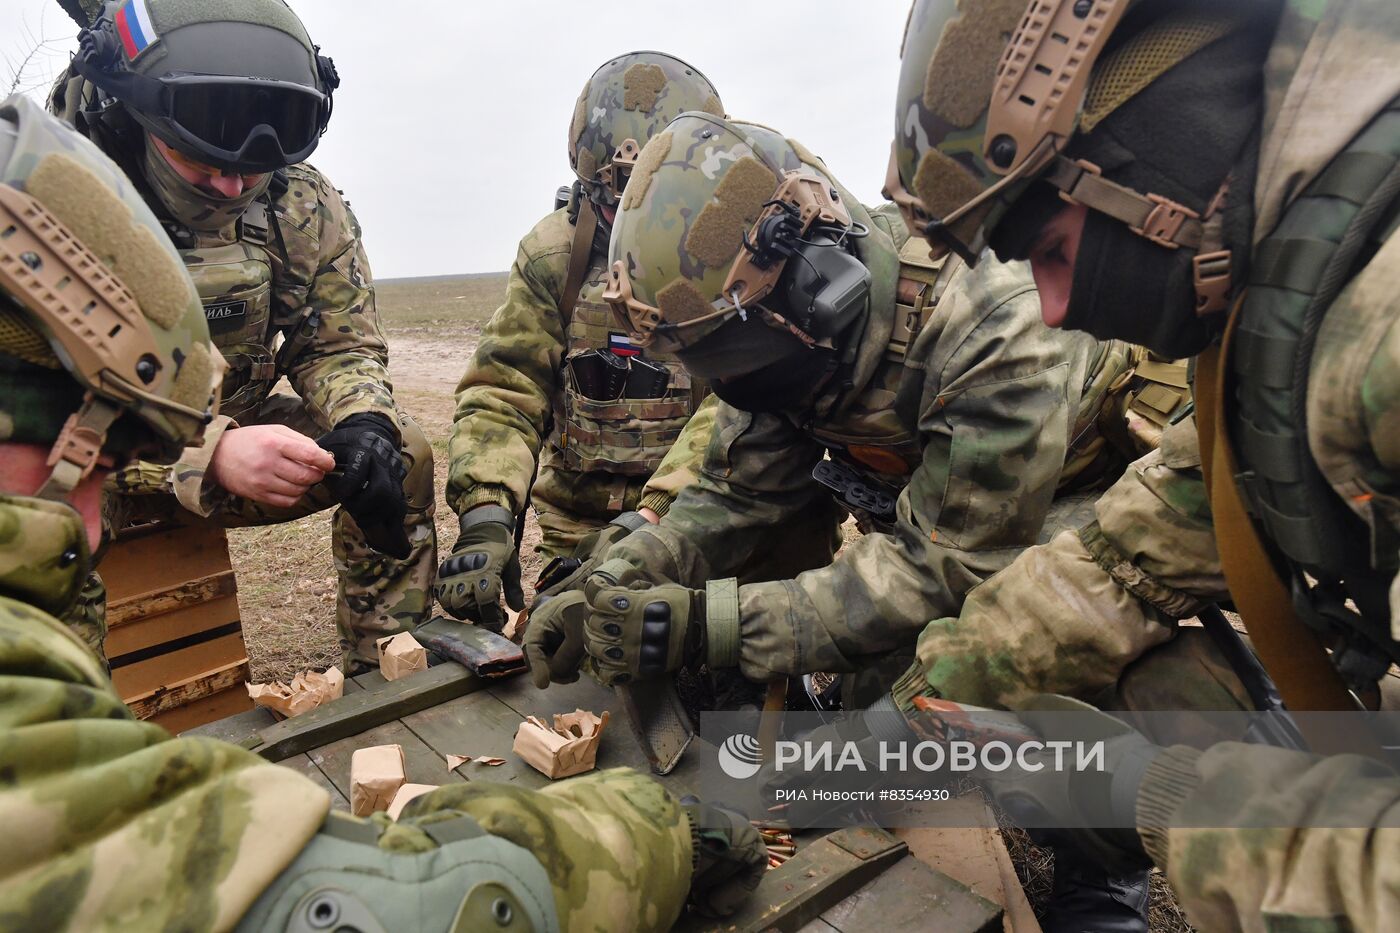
pixel 788 385
pixel 189 205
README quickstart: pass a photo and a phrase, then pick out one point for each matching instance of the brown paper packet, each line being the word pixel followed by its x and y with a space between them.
pixel 376 774
pixel 401 655
pixel 568 747
pixel 308 690
pixel 405 794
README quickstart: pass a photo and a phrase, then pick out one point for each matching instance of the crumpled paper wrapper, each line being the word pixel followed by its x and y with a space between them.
pixel 308 690
pixel 376 774
pixel 569 748
pixel 401 655
pixel 405 794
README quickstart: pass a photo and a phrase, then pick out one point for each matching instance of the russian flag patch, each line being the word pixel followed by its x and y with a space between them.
pixel 135 28
pixel 622 345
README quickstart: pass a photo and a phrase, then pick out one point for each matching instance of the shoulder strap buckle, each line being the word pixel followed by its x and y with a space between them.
pixel 1210 274
pixel 1164 221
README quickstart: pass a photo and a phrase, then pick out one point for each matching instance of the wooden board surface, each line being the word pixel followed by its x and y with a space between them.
pixel 908 895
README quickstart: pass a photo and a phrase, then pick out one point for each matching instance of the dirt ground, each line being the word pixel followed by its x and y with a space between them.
pixel 286 583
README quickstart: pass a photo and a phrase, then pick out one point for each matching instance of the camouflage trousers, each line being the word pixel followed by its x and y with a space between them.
pixel 570 505
pixel 376 595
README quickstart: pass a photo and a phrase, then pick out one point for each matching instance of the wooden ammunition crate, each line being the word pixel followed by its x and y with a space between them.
pixel 174 635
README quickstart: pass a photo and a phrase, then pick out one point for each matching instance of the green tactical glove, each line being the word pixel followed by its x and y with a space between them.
pixel 730 858
pixel 553 642
pixel 1073 800
pixel 565 573
pixel 484 563
pixel 638 633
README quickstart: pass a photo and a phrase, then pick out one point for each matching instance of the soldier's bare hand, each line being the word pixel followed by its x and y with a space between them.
pixel 269 463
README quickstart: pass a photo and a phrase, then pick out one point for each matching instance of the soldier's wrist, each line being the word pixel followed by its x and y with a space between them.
pixel 485 495
pixel 1169 781
pixel 719 603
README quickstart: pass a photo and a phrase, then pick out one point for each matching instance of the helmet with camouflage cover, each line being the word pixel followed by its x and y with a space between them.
pixel 708 224
pixel 237 85
pixel 103 343
pixel 621 106
pixel 1135 110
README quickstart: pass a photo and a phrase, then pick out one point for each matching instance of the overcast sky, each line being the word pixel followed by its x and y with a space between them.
pixel 450 124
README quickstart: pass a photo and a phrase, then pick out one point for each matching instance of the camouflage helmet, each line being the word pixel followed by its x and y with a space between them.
pixel 990 95
pixel 621 106
pixel 681 258
pixel 97 312
pixel 237 84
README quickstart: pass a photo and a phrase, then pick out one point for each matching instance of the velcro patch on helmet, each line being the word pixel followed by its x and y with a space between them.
pixel 958 85
pixel 805 154
pixel 19 338
pixel 585 164
pixel 650 159
pixel 642 84
pixel 196 376
pixel 720 227
pixel 681 301
pixel 713 107
pixel 170 15
pixel 579 122
pixel 943 184
pixel 89 208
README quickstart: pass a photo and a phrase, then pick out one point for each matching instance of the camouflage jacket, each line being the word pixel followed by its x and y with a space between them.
pixel 972 420
pixel 1151 557
pixel 517 403
pixel 114 825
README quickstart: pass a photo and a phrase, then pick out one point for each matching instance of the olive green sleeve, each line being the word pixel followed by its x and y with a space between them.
pixel 1253 837
pixel 505 399
pixel 615 845
pixel 681 465
pixel 112 823
pixel 755 481
pixel 1068 616
pixel 994 430
pixel 343 367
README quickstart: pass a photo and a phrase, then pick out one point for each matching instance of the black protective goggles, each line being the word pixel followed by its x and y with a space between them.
pixel 245 125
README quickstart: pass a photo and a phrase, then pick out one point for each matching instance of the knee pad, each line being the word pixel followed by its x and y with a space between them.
pixel 418 485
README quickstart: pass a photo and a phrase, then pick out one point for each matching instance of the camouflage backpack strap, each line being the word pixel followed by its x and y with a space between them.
pixel 579 255
pixel 1260 469
pixel 922 282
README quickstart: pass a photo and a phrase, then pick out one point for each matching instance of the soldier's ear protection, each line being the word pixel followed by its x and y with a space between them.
pixel 798 251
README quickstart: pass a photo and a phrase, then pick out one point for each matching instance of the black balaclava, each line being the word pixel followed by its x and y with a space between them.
pixel 1179 137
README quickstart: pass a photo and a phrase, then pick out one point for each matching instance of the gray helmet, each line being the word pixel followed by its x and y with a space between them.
pixel 236 84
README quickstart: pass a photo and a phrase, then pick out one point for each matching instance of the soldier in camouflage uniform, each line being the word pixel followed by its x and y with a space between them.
pixel 277 258
pixel 1213 145
pixel 557 407
pixel 117 825
pixel 948 411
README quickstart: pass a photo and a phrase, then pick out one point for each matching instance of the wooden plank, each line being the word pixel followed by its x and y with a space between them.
pixel 149 634
pixel 143 677
pixel 152 558
pixel 421 763
pixel 214 707
pixel 155 602
pixel 364 709
pixel 242 729
pixel 817 878
pixel 192 689
pixel 820 926
pixel 479 725
pixel 912 896
pixel 305 765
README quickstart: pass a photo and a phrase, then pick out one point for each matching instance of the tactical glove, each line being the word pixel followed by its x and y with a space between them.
pixel 638 633
pixel 483 565
pixel 553 641
pixel 565 573
pixel 1068 801
pixel 730 858
pixel 370 481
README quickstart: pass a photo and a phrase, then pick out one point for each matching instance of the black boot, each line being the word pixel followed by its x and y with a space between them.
pixel 1087 899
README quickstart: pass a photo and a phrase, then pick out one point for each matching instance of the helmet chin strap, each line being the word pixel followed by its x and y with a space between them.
pixel 75 453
